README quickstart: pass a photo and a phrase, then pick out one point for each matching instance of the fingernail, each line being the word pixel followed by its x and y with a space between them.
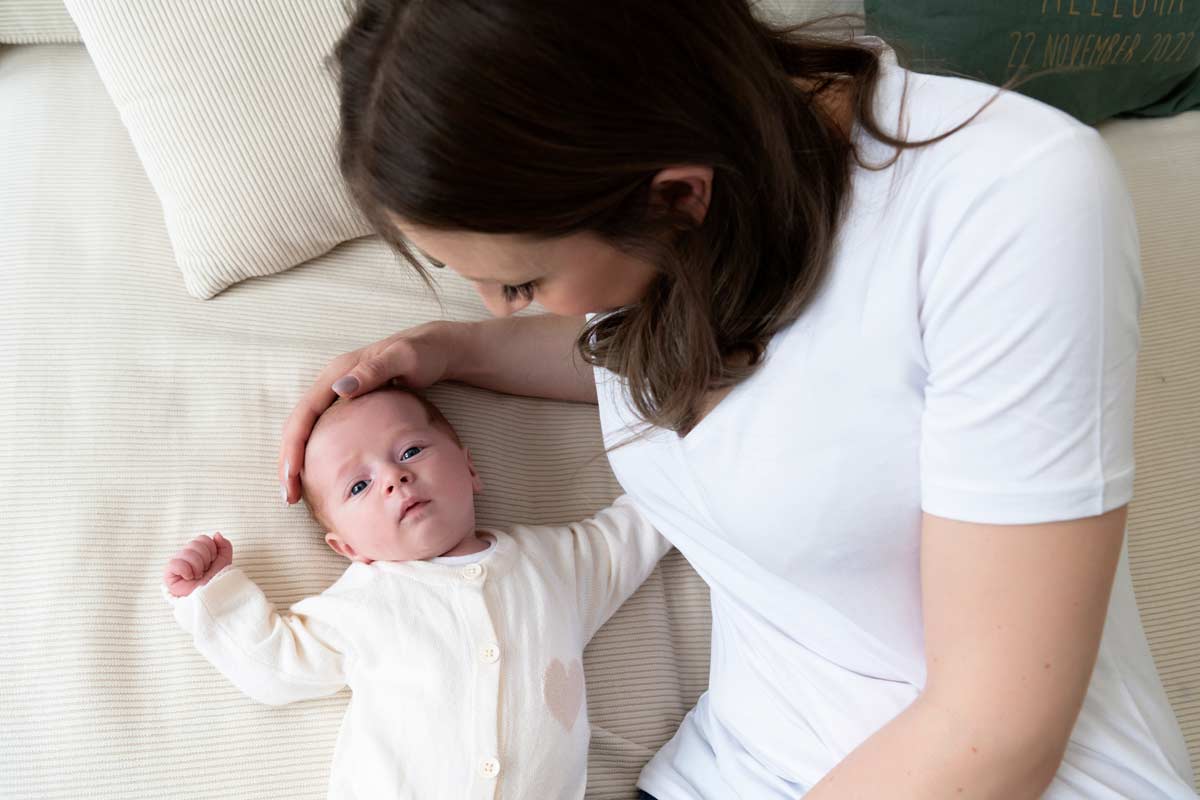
pixel 283 495
pixel 346 385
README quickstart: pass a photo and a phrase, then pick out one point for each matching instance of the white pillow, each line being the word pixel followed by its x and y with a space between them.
pixel 36 21
pixel 233 112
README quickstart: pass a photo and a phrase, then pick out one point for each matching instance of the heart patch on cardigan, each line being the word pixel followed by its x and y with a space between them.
pixel 563 690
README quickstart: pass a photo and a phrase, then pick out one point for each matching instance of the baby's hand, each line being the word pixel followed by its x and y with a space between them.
pixel 198 561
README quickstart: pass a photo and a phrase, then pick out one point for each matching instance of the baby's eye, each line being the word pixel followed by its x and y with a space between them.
pixel 409 450
pixel 356 484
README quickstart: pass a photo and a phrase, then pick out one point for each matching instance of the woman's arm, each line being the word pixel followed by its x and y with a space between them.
pixel 530 355
pixel 1013 616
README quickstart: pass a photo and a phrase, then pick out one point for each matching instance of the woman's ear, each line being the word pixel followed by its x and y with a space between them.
pixel 687 188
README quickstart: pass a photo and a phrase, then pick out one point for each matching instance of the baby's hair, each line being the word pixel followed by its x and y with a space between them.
pixel 433 414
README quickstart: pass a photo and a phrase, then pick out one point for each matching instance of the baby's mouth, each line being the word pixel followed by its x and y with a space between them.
pixel 415 506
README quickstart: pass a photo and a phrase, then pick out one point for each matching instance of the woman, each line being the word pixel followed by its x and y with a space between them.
pixel 863 344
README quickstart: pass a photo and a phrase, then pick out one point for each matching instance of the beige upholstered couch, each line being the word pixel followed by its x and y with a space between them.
pixel 133 415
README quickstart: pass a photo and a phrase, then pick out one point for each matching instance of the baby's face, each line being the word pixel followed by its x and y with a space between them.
pixel 368 458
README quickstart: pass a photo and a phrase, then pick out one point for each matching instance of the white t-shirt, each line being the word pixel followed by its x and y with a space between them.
pixel 971 354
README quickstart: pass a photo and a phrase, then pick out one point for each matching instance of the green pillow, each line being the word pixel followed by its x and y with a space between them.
pixel 1121 57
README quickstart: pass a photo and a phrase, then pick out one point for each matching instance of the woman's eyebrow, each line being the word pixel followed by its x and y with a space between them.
pixel 442 265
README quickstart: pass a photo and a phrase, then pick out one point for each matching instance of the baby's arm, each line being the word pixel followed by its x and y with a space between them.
pixel 274 658
pixel 615 551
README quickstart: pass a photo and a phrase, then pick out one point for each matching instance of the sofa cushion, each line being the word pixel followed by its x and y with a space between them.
pixel 1112 57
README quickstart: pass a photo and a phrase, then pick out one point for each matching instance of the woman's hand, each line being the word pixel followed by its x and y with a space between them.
pixel 196 563
pixel 417 357
pixel 533 356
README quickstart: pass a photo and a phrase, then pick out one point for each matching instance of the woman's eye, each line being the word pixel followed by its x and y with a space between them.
pixel 525 290
pixel 409 450
pixel 357 484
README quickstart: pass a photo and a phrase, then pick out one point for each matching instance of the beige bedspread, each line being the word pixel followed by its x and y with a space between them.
pixel 133 417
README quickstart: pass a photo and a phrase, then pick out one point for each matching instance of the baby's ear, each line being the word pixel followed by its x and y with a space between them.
pixel 338 546
pixel 344 548
pixel 476 481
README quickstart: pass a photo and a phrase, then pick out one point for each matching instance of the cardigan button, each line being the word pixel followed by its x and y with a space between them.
pixel 472 571
pixel 490 768
pixel 490 654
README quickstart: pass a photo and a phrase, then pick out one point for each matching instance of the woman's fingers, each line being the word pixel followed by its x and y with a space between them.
pixel 296 431
pixel 300 422
pixel 354 374
pixel 403 358
pixel 299 427
pixel 295 437
pixel 371 372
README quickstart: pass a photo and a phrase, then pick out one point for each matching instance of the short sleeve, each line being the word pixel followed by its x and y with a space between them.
pixel 1029 322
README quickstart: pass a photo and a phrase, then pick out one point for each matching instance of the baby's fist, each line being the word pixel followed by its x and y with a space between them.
pixel 196 563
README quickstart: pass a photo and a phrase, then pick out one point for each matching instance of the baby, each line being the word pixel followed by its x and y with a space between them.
pixel 462 646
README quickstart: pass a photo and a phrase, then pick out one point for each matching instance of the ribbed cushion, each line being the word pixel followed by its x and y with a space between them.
pixel 799 10
pixel 133 417
pixel 233 112
pixel 33 21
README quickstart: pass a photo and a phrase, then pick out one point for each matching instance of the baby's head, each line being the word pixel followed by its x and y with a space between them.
pixel 368 458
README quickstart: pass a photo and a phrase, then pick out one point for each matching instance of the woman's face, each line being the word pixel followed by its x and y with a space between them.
pixel 571 275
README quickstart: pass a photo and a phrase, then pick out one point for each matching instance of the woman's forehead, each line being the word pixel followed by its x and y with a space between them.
pixel 502 257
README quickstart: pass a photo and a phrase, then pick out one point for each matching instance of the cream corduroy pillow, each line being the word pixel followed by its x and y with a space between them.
pixel 233 111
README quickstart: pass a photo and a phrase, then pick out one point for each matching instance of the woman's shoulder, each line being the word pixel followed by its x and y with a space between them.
pixel 1010 128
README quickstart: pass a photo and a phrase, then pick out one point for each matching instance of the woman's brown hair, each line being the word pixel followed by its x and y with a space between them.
pixel 550 118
